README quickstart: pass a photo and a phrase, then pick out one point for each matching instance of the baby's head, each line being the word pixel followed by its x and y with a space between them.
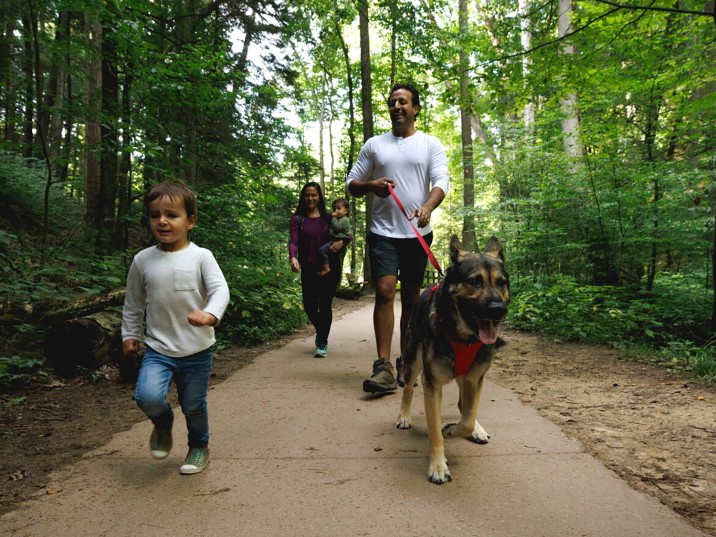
pixel 340 207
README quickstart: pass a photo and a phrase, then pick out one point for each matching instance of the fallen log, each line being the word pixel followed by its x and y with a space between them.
pixel 84 307
pixel 46 312
pixel 87 342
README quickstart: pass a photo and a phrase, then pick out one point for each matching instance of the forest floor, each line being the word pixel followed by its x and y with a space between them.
pixel 654 428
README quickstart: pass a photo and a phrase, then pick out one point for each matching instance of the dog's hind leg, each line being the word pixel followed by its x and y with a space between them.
pixel 412 369
pixel 438 471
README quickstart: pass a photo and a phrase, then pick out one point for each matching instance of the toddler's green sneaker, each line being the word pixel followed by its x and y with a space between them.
pixel 196 461
pixel 160 442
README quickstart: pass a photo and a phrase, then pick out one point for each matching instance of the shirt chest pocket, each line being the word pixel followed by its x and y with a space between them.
pixel 184 279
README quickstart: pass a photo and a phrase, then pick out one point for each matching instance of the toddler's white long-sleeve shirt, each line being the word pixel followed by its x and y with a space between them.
pixel 167 287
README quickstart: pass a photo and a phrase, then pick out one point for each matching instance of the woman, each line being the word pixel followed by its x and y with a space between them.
pixel 310 225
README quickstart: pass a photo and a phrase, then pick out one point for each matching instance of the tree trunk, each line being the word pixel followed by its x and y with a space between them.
pixel 93 135
pixel 351 126
pixel 468 171
pixel 713 267
pixel 321 144
pixel 9 79
pixel 526 41
pixel 393 39
pixel 124 172
pixel 27 62
pixel 57 101
pixel 367 107
pixel 107 195
pixel 570 118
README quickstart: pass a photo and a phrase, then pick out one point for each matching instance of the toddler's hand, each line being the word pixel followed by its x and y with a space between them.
pixel 130 347
pixel 201 318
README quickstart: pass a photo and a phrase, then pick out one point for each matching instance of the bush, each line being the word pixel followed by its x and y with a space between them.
pixel 672 321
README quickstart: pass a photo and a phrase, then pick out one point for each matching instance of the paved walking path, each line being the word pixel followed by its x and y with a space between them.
pixel 299 450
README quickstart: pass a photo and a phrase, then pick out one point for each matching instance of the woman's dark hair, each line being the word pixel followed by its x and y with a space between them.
pixel 301 208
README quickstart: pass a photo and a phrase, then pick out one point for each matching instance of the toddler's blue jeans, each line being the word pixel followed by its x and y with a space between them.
pixel 191 375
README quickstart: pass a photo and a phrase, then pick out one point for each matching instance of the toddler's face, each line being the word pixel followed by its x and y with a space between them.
pixel 169 223
pixel 340 211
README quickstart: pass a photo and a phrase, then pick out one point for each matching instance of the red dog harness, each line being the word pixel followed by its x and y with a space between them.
pixel 465 353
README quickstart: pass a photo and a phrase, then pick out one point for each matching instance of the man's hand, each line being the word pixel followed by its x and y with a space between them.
pixel 130 347
pixel 379 187
pixel 201 318
pixel 423 216
pixel 336 246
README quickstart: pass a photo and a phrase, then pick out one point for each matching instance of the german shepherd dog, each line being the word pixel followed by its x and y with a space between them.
pixel 452 335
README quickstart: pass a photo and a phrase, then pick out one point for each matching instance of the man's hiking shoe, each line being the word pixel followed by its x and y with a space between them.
pixel 321 351
pixel 196 461
pixel 400 370
pixel 382 380
pixel 160 442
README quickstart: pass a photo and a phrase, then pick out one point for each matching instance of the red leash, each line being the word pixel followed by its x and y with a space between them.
pixel 431 257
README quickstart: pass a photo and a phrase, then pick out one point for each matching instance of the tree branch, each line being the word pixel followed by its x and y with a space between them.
pixel 656 8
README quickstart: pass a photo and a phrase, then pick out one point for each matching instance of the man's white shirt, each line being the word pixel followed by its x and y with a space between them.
pixel 416 163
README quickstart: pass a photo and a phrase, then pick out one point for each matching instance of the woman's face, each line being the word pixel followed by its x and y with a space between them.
pixel 310 197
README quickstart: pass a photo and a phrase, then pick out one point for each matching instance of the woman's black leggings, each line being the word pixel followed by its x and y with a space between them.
pixel 318 293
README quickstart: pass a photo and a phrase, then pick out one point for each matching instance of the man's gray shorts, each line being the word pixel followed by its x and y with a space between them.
pixel 403 258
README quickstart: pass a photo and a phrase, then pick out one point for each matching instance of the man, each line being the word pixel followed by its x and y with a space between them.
pixel 415 164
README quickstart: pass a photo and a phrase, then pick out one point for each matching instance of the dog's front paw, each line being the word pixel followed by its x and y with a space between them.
pixel 438 472
pixel 403 422
pixel 479 435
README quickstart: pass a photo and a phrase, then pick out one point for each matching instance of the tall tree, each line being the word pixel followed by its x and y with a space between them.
pixel 570 116
pixel 468 170
pixel 93 133
pixel 107 193
pixel 367 108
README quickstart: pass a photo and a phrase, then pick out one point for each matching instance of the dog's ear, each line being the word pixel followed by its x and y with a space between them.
pixel 456 249
pixel 494 249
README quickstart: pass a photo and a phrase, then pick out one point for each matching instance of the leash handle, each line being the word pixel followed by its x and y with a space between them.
pixel 431 256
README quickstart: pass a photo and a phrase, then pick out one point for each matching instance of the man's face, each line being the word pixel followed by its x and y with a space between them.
pixel 401 108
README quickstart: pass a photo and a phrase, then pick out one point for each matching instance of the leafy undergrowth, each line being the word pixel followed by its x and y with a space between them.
pixel 669 326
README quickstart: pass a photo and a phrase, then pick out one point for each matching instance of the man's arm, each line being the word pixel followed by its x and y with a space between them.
pixel 440 179
pixel 379 187
pixel 435 198
pixel 359 182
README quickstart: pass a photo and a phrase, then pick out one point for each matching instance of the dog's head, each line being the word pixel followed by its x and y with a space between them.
pixel 478 286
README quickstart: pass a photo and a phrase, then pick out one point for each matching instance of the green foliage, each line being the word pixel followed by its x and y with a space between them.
pixel 17 371
pixel 247 230
pixel 263 306
pixel 670 321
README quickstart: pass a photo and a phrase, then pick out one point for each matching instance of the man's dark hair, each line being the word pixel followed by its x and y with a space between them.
pixel 411 89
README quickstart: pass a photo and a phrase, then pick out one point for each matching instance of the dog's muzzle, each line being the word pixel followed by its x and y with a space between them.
pixel 495 311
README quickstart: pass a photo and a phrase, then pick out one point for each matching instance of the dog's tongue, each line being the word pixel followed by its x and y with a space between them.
pixel 488 333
